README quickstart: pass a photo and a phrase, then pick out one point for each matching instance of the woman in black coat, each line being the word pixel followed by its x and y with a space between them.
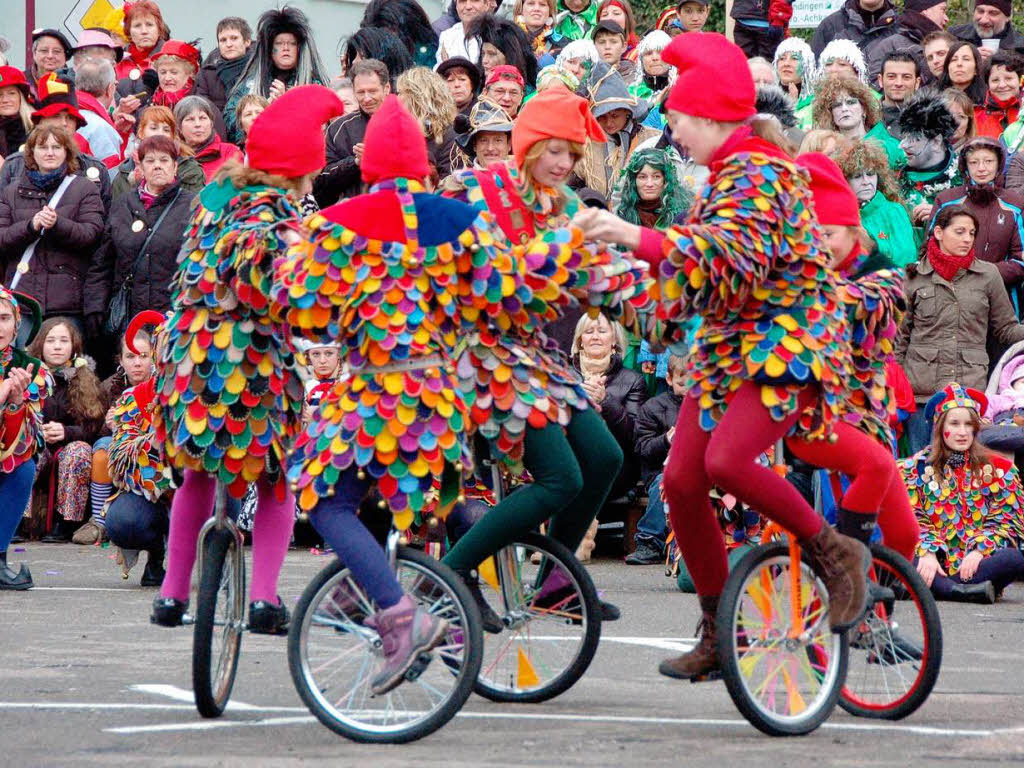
pixel 66 233
pixel 131 223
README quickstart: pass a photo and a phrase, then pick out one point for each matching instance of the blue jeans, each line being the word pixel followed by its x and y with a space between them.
pixel 917 430
pixel 15 488
pixel 134 522
pixel 653 528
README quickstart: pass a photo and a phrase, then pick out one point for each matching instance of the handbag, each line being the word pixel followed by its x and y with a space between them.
pixel 117 310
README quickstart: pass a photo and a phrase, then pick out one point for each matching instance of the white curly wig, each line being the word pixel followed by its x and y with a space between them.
pixel 844 50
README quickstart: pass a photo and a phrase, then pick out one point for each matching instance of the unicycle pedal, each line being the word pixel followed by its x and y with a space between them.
pixel 418 667
pixel 710 677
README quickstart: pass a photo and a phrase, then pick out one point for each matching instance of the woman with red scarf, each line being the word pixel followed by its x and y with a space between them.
pixel 955 302
pixel 1002 99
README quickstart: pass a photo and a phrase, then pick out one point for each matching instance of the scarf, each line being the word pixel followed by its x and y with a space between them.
pixel 538 39
pixel 945 264
pixel 1001 110
pixel 981 194
pixel 594 367
pixel 956 460
pixel 49 181
pixel 6 355
pixel 147 197
pixel 656 83
pixel 168 99
pixel 648 211
pixel 228 72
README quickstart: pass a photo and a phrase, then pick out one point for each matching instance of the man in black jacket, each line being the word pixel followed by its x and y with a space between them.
pixel 341 177
pixel 655 426
pixel 991 21
pixel 863 21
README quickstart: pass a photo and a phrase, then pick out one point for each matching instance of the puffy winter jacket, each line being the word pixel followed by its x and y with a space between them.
pixel 1010 40
pixel 119 250
pixel 911 28
pixel 656 417
pixel 341 178
pixel 89 167
pixel 848 24
pixel 56 273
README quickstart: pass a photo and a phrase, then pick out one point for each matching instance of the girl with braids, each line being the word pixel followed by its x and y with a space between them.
pixel 72 420
pixel 283 56
pixel 648 192
pixel 882 214
pixel 22 391
pixel 771 356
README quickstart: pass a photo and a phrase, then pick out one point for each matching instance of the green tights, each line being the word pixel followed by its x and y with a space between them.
pixel 572 469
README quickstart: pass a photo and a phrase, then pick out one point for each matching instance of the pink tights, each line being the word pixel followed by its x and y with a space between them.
pixel 272 530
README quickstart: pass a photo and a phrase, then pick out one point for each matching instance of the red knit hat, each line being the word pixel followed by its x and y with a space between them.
pixel 834 201
pixel 554 113
pixel 288 136
pixel 714 79
pixel 180 49
pixel 394 146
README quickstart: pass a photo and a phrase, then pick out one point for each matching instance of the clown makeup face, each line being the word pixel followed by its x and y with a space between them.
pixel 650 183
pixel 982 166
pixel 8 324
pixel 789 69
pixel 864 186
pixel 923 152
pixel 652 63
pixel 848 114
pixel 958 430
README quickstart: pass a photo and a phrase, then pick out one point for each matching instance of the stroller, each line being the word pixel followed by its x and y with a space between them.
pixel 1005 410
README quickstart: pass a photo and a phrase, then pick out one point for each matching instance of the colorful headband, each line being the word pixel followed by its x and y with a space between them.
pixel 956 396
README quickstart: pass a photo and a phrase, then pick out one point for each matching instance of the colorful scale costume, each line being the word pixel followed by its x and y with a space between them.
pixel 961 511
pixel 397 299
pixel 230 400
pixel 22 435
pixel 516 377
pixel 750 265
pixel 135 455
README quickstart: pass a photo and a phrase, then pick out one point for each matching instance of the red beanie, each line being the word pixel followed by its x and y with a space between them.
pixel 287 138
pixel 394 146
pixel 714 79
pixel 554 113
pixel 834 201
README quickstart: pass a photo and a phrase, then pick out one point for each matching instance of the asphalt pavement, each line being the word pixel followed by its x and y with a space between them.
pixel 86 680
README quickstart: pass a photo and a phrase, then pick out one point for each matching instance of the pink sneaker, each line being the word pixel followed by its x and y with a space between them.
pixel 406 631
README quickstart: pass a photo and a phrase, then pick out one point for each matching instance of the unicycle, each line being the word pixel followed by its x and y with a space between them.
pixel 333 656
pixel 220 609
pixel 551 614
pixel 782 665
pixel 896 650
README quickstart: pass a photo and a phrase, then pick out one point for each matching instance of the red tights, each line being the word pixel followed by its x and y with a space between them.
pixel 875 483
pixel 727 457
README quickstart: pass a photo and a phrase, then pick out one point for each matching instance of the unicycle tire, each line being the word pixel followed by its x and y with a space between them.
pixel 886 680
pixel 782 685
pixel 543 651
pixel 220 616
pixel 332 655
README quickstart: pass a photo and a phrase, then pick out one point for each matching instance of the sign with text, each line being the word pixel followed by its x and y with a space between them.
pixel 807 14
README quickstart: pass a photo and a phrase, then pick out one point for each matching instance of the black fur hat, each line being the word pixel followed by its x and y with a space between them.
pixel 773 101
pixel 288 19
pixel 926 113
pixel 508 38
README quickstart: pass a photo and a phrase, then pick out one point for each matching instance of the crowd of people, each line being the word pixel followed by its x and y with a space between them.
pixel 223 199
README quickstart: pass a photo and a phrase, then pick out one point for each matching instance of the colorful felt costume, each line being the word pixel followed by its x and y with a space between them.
pixel 135 455
pixel 22 436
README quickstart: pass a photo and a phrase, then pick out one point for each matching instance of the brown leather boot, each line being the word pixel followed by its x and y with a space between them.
pixel 703 659
pixel 843 564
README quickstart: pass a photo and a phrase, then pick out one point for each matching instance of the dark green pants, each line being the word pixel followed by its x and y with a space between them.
pixel 572 470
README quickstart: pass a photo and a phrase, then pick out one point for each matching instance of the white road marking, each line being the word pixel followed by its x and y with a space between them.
pixel 180 694
pixel 209 725
pixel 83 589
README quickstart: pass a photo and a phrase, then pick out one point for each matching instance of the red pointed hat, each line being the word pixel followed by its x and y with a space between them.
pixel 714 79
pixel 554 113
pixel 394 146
pixel 287 138
pixel 834 201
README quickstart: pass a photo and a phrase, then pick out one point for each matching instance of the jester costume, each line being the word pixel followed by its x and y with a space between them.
pixel 963 509
pixel 229 401
pixel 872 294
pixel 21 438
pixel 522 393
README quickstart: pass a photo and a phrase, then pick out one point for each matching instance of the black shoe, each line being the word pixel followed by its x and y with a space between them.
pixel 268 619
pixel 489 620
pixel 153 576
pixel 610 612
pixel 563 601
pixel 167 612
pixel 61 533
pixel 879 594
pixel 983 593
pixel 645 553
pixel 896 651
pixel 9 580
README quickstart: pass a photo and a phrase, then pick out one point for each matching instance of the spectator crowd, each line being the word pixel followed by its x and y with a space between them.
pixel 106 141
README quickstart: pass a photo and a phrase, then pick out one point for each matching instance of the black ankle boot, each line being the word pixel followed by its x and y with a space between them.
pixel 983 593
pixel 153 576
pixel 14 581
pixel 489 620
pixel 268 619
pixel 61 533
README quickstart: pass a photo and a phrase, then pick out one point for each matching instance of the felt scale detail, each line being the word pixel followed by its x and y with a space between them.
pixel 750 264
pixel 962 510
pixel 136 461
pixel 230 402
pixel 387 304
pixel 28 441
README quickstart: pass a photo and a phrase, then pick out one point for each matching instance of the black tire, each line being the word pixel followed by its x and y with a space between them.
pixel 775 557
pixel 214 677
pixel 902 692
pixel 439 589
pixel 585 650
